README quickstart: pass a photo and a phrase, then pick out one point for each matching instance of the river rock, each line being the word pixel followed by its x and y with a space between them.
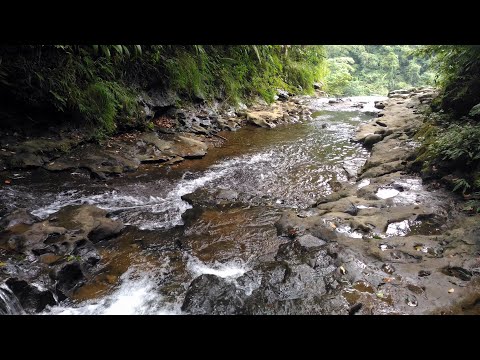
pixel 20 216
pixel 87 220
pixel 379 104
pixel 212 295
pixel 282 95
pixel 309 241
pixel 30 297
pixel 68 277
pixel 372 139
pixel 189 147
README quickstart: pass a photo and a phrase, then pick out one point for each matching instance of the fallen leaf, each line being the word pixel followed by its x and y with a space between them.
pixel 451 290
pixel 333 225
pixel 388 279
pixel 380 294
pixel 8 181
pixel 2 264
pixel 342 270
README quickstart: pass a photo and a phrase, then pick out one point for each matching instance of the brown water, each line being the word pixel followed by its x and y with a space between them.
pixel 149 268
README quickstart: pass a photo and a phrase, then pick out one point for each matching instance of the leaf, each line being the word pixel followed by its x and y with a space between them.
pixel 342 270
pixel 95 49
pixel 2 264
pixel 380 295
pixel 8 181
pixel 118 49
pixel 451 290
pixel 138 49
pixel 106 50
pixel 258 54
pixel 126 51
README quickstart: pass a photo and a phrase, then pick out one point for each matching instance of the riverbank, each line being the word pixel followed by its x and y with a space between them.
pixel 176 134
pixel 402 246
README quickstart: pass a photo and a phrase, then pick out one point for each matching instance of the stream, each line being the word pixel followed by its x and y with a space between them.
pixel 258 172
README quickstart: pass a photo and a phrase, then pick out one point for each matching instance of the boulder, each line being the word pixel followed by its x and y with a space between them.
pixel 212 295
pixel 20 216
pixel 32 299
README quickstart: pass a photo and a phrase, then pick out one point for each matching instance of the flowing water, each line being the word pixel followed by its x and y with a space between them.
pixel 149 268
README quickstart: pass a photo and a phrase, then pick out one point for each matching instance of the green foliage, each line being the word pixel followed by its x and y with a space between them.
pixel 340 75
pixel 374 69
pixel 243 71
pixel 459 143
pixel 473 205
pixel 462 184
pixel 458 74
pixel 100 84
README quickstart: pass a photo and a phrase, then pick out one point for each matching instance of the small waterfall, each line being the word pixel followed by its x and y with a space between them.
pixel 9 304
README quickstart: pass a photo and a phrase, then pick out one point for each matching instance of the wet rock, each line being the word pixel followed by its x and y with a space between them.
pixel 399 188
pixel 309 241
pixel 372 139
pixel 282 95
pixel 388 268
pixel 355 308
pixel 400 91
pixel 227 195
pixel 90 220
pixel 381 123
pixel 259 121
pixel 68 277
pixel 30 297
pixel 423 273
pixel 24 160
pixel 458 272
pixel 86 251
pixel 105 229
pixel 411 300
pixel 189 148
pixel 211 295
pixel 352 210
pixel 20 216
pixel 49 258
pixel 379 104
pixel 99 161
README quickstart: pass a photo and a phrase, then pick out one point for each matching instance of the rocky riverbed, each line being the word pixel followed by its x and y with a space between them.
pixel 337 235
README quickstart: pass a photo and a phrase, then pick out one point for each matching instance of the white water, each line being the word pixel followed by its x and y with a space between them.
pixel 229 270
pixel 384 193
pixel 137 292
pixel 9 304
pixel 168 208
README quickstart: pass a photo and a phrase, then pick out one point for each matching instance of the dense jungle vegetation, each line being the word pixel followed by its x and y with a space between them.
pixel 100 84
pixel 451 137
pixel 375 69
